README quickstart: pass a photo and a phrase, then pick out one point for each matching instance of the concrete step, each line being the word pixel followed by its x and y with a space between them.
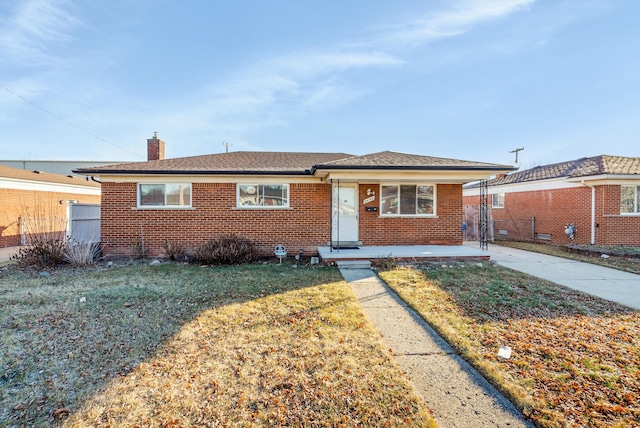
pixel 354 264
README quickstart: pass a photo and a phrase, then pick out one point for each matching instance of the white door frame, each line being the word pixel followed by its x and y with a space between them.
pixel 344 212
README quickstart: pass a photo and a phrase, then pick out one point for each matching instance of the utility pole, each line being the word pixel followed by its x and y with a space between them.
pixel 226 145
pixel 516 152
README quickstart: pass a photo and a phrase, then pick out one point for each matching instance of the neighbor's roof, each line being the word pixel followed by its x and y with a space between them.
pixel 394 160
pixel 288 163
pixel 585 167
pixel 44 177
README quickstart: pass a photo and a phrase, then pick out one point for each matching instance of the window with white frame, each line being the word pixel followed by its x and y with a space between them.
pixel 629 199
pixel 407 199
pixel 164 195
pixel 497 200
pixel 262 196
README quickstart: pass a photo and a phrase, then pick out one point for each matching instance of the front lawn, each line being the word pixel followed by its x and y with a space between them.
pixel 172 345
pixel 575 358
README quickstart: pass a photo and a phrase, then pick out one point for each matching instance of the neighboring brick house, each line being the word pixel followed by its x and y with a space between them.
pixel 599 196
pixel 299 200
pixel 35 201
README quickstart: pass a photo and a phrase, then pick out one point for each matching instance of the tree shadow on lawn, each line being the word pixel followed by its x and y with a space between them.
pixel 67 335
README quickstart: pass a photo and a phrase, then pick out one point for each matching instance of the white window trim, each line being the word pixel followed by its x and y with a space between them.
pixel 435 200
pixel 165 206
pixel 503 199
pixel 636 213
pixel 263 207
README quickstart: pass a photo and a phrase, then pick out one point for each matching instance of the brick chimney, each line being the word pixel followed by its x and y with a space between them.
pixel 155 148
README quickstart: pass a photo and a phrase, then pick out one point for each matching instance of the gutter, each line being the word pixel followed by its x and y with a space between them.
pixel 185 172
pixel 410 168
pixel 593 211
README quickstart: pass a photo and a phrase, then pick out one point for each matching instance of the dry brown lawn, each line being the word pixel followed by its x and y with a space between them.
pixel 575 358
pixel 172 345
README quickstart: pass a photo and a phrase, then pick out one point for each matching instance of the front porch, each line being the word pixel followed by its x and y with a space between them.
pixel 404 252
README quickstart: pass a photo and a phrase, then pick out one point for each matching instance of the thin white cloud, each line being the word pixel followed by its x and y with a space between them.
pixel 304 80
pixel 271 93
pixel 32 27
pixel 438 25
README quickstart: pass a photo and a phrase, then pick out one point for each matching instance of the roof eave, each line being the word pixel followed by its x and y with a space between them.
pixel 415 168
pixel 188 172
pixel 604 177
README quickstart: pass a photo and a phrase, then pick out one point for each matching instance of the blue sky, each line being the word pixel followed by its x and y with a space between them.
pixel 461 79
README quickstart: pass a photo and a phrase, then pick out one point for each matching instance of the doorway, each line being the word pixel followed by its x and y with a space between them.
pixel 344 213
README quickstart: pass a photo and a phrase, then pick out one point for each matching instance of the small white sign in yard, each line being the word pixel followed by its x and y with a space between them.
pixel 504 352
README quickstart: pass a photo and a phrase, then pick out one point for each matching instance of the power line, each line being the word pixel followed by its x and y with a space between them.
pixel 68 123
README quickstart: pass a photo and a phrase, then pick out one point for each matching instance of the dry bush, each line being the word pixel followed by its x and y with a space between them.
pixel 41 253
pixel 174 250
pixel 227 250
pixel 81 253
pixel 385 263
pixel 44 231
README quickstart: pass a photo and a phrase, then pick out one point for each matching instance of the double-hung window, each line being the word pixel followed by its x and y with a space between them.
pixel 407 200
pixel 164 195
pixel 497 200
pixel 629 199
pixel 262 196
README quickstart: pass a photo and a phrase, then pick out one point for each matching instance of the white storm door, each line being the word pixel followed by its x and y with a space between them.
pixel 344 225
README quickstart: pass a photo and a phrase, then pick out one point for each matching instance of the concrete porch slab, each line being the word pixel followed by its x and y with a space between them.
pixel 408 253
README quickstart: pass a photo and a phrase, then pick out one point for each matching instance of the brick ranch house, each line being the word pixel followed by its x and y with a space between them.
pixel 599 196
pixel 299 200
pixel 36 201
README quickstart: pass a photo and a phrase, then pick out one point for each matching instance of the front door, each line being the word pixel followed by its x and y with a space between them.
pixel 344 215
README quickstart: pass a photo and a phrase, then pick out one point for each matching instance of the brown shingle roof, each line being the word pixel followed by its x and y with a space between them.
pixel 393 160
pixel 221 163
pixel 585 167
pixel 287 163
pixel 44 177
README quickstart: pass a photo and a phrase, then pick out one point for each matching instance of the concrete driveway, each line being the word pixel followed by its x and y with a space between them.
pixel 610 284
pixel 7 252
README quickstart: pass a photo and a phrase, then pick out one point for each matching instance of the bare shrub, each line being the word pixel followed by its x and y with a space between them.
pixel 44 231
pixel 227 250
pixel 41 253
pixel 385 263
pixel 174 250
pixel 81 253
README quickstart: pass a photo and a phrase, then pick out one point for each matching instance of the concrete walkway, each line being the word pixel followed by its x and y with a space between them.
pixel 607 283
pixel 7 252
pixel 457 394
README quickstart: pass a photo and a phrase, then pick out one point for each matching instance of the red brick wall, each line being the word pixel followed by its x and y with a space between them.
pixel 553 209
pixel 614 229
pixel 306 225
pixel 16 203
pixel 446 229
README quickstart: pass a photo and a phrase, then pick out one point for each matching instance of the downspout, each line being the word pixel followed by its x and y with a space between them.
pixel 331 217
pixel 593 212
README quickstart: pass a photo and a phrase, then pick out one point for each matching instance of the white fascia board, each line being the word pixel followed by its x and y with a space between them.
pixel 406 176
pixel 43 186
pixel 612 179
pixel 198 178
pixel 529 186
